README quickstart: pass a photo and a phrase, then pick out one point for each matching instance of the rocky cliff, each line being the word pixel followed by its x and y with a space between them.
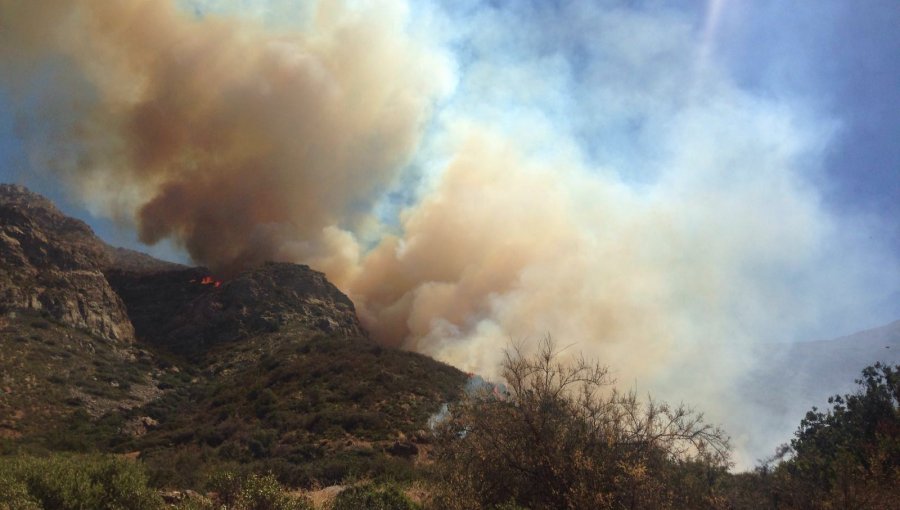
pixel 187 310
pixel 54 264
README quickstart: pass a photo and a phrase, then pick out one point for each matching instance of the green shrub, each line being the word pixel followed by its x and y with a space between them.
pixel 227 484
pixel 254 492
pixel 265 493
pixel 371 497
pixel 76 482
pixel 846 456
pixel 195 504
pixel 14 493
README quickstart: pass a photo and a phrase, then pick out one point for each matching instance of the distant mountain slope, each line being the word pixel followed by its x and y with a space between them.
pixel 132 261
pixel 836 363
pixel 789 379
pixel 809 372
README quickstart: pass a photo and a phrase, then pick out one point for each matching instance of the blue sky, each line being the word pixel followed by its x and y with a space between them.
pixel 840 58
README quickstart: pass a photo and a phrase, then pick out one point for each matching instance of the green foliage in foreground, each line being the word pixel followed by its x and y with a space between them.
pixel 106 482
pixel 254 492
pixel 74 482
pixel 371 497
pixel 846 457
pixel 849 455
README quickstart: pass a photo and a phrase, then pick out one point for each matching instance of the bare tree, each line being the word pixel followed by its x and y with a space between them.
pixel 560 436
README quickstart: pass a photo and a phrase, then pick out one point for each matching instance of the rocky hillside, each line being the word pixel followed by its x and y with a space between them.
pixel 187 310
pixel 109 349
pixel 53 264
pixel 52 373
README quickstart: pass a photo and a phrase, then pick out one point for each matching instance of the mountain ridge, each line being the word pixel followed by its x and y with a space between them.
pixel 110 349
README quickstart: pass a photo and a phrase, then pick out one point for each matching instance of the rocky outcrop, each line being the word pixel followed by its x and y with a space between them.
pixel 139 425
pixel 56 265
pixel 123 259
pixel 53 264
pixel 155 300
pixel 187 312
pixel 276 295
pixel 403 449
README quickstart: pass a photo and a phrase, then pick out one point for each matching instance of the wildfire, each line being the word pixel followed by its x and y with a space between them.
pixel 208 280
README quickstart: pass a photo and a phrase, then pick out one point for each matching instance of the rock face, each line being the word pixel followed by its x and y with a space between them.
pixel 268 298
pixel 178 310
pixel 156 299
pixel 53 264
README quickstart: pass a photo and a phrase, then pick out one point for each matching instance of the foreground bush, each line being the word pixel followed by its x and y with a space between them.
pixel 95 482
pixel 561 438
pixel 74 482
pixel 253 492
pixel 371 497
pixel 847 456
pixel 14 494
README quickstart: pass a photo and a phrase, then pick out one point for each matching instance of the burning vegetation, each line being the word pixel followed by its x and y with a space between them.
pixel 208 280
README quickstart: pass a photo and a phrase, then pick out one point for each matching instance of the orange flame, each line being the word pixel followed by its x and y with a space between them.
pixel 209 280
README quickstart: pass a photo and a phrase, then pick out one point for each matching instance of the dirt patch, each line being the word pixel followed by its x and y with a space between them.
pixel 7 433
pixel 321 498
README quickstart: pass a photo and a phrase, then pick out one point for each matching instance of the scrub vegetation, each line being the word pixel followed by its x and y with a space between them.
pixel 555 435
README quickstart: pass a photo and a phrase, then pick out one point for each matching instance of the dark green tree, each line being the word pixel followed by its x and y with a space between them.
pixel 847 456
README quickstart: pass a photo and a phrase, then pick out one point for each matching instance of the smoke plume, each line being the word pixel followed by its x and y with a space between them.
pixel 241 144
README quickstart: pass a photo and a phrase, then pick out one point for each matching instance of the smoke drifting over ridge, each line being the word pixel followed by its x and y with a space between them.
pixel 245 143
pixel 240 144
